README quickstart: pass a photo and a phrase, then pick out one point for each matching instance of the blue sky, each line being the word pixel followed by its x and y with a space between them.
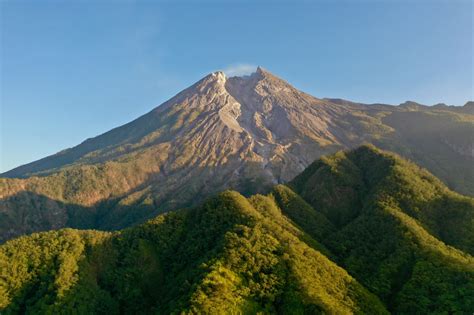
pixel 71 70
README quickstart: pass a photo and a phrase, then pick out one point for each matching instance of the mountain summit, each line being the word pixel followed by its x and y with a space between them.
pixel 245 133
pixel 256 117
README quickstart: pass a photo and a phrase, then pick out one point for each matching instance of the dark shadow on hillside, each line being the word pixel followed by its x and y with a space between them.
pixel 27 212
pixel 442 145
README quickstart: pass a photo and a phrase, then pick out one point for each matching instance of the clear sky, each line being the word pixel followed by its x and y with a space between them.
pixel 71 70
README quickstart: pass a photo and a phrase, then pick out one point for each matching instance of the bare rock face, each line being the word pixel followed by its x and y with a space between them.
pixel 245 133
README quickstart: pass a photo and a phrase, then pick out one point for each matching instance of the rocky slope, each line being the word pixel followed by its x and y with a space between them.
pixel 245 133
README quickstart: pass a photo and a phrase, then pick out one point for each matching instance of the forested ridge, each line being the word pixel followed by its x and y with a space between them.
pixel 361 231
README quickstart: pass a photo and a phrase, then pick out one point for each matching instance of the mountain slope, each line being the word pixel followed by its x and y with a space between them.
pixel 244 133
pixel 363 210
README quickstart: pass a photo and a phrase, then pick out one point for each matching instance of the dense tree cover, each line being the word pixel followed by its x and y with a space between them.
pixel 359 232
pixel 230 255
pixel 40 273
pixel 342 185
pixel 402 219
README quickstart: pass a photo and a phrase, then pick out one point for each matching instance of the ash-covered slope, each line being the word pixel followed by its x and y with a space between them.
pixel 259 116
pixel 246 133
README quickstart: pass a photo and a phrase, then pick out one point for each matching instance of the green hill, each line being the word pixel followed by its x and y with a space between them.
pixel 344 185
pixel 222 257
pixel 359 232
pixel 398 229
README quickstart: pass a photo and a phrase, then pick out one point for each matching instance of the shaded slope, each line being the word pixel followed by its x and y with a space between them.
pixel 431 137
